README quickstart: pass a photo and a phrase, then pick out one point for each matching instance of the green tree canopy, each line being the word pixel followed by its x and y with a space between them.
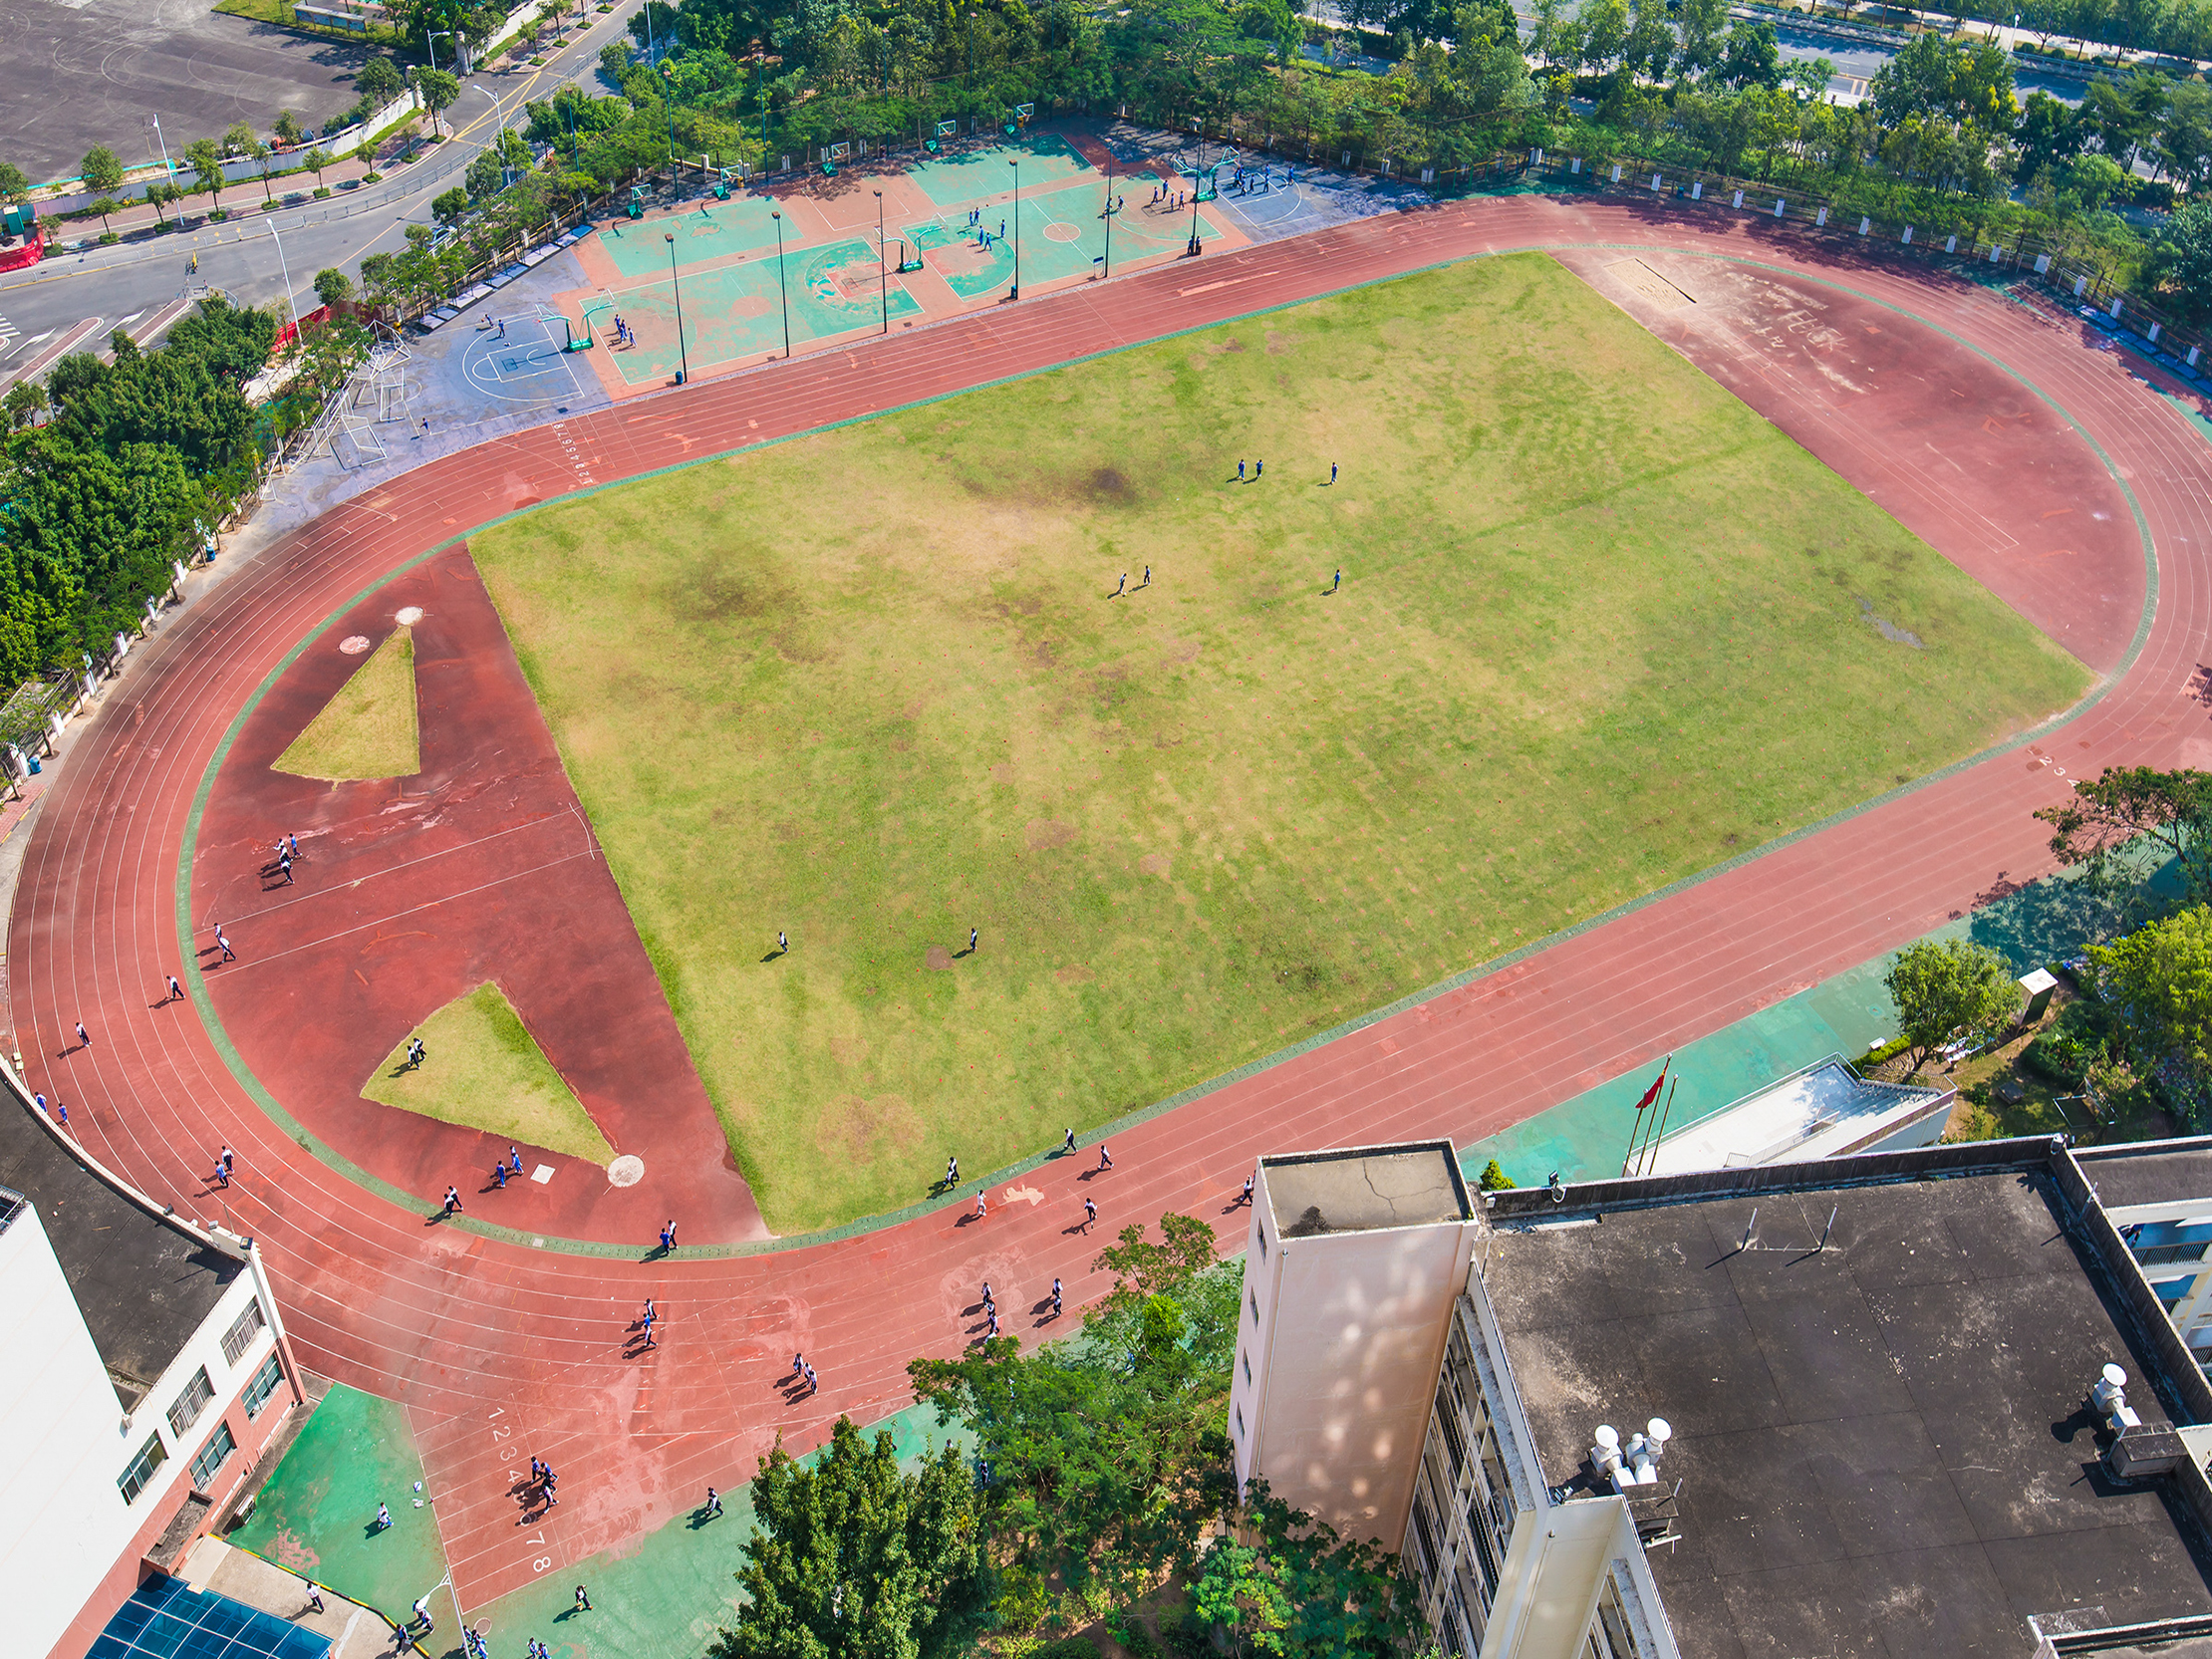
pixel 332 285
pixel 852 1559
pixel 379 79
pixel 101 169
pixel 2130 818
pixel 1948 989
pixel 2160 979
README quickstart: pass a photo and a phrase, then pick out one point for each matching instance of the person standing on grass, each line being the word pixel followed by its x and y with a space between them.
pixel 1147 582
pixel 1338 583
pixel 972 942
pixel 1332 472
pixel 951 1171
pixel 1122 585
pixel 1067 1143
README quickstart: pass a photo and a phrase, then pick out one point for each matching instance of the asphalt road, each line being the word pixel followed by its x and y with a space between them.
pixel 243 260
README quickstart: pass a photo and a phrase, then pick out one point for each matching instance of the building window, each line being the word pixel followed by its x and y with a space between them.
pixel 211 1456
pixel 1254 1297
pixel 135 1480
pixel 264 1384
pixel 1262 1244
pixel 1247 1358
pixel 240 1337
pixel 1240 1422
pixel 189 1404
pixel 1611 1636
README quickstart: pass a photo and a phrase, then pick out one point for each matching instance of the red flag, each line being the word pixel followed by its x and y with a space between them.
pixel 1652 1093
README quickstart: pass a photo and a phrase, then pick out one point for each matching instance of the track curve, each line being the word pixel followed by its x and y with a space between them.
pixel 456 1324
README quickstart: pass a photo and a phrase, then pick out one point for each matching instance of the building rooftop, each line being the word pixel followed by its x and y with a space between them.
pixel 2150 1171
pixel 1883 1447
pixel 1364 1189
pixel 1816 1112
pixel 142 1283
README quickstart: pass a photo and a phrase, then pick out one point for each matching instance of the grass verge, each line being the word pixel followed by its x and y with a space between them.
pixel 1601 627
pixel 482 1069
pixel 368 729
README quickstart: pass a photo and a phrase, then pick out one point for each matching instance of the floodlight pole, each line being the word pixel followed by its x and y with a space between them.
pixel 1109 213
pixel 1014 293
pixel 882 281
pixel 781 292
pixel 682 358
pixel 1195 248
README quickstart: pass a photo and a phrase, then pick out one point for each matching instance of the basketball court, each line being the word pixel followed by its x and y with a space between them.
pixel 834 280
pixel 521 362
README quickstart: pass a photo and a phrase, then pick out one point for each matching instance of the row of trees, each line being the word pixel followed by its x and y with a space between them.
pixel 105 471
pixel 1100 1469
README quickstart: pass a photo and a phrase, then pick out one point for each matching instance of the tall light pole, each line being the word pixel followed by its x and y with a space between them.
pixel 1014 293
pixel 682 358
pixel 882 281
pixel 781 292
pixel 1109 214
pixel 285 266
pixel 1195 249
pixel 167 167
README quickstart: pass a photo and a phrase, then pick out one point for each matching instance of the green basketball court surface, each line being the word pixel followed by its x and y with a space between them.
pixel 1063 233
pixel 957 180
pixel 714 230
pixel 737 311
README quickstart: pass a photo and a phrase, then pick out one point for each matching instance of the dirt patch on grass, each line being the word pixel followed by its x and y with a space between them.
pixel 1107 485
pixel 1233 344
pixel 1157 864
pixel 937 959
pixel 1277 345
pixel 1181 653
pixel 1002 772
pixel 1047 833
pixel 848 1051
pixel 1075 973
pixel 855 1122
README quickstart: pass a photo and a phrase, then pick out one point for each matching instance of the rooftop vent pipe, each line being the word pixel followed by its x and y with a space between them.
pixel 2108 1396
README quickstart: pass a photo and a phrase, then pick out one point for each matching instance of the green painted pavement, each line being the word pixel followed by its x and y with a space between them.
pixel 956 180
pixel 736 311
pixel 1585 1138
pixel 664 1595
pixel 714 230
pixel 317 1514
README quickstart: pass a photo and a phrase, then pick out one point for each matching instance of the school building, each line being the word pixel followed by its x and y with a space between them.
pixel 1921 1402
pixel 143 1368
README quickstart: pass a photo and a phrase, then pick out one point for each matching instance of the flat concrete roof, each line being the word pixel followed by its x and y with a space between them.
pixel 1883 1447
pixel 142 1285
pixel 2150 1171
pixel 1364 1189
pixel 1808 1114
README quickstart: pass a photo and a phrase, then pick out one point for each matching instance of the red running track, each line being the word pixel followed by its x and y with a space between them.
pixel 459 1325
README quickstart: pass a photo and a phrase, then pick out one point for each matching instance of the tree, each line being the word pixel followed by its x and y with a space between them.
pixel 655 21
pixel 104 206
pixel 1495 1179
pixel 164 194
pixel 1142 1269
pixel 1702 22
pixel 1650 44
pixel 238 138
pixel 1947 990
pixel 2046 135
pixel 2094 180
pixel 1238 1600
pixel 25 403
pixel 1750 56
pixel 438 90
pixel 331 286
pixel 450 205
pixel 2129 812
pixel 206 159
pixel 365 153
pixel 14 187
pixel 1604 32
pixel 2181 260
pixel 380 80
pixel 1345 1597
pixel 315 161
pixel 378 275
pixel 256 150
pixel 852 1557
pixel 2160 979
pixel 614 61
pixel 101 169
pixel 288 130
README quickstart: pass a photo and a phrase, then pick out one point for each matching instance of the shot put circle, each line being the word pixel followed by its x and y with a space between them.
pixel 1059 230
pixel 409 617
pixel 353 645
pixel 625 1171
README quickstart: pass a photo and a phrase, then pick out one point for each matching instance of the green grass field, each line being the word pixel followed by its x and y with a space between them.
pixel 481 1068
pixel 1601 627
pixel 370 729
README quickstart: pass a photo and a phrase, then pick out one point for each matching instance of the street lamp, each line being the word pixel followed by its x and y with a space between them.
pixel 682 358
pixel 783 293
pixel 882 281
pixel 1195 248
pixel 285 266
pixel 1014 293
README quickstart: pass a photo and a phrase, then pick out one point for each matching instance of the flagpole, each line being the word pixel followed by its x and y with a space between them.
pixel 1653 1149
pixel 1635 1134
